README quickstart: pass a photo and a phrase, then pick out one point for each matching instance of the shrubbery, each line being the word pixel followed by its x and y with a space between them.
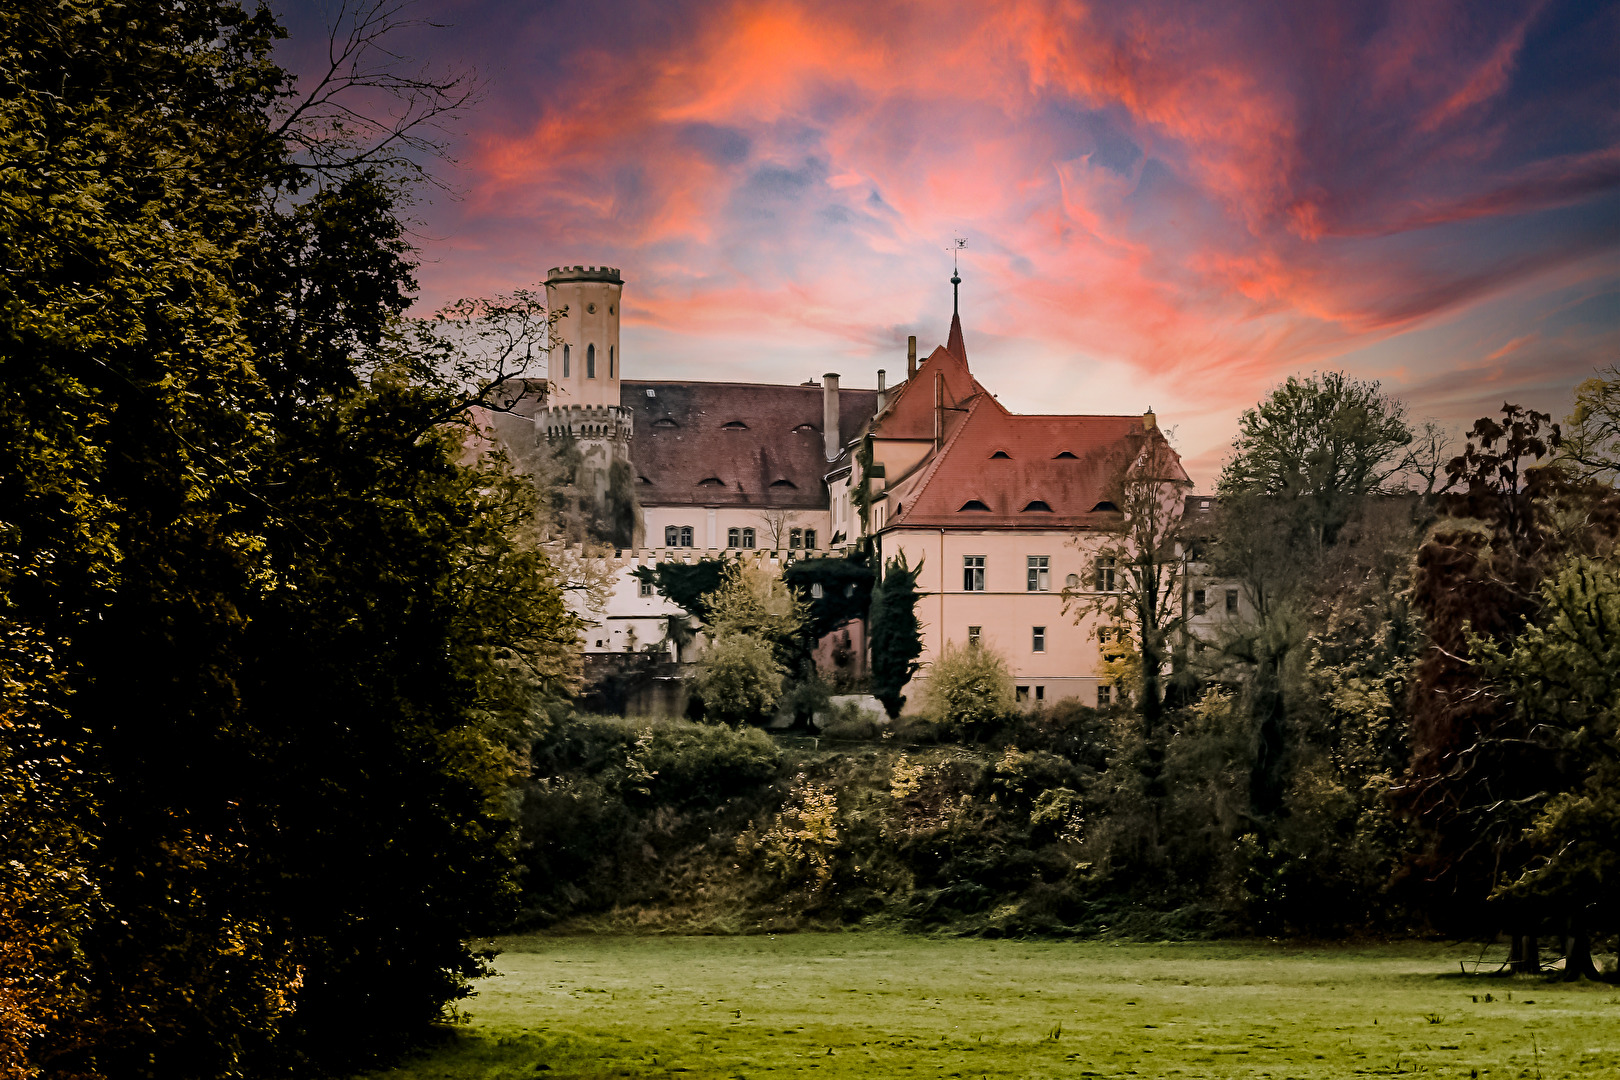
pixel 970 688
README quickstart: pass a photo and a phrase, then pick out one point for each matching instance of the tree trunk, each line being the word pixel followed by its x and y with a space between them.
pixel 1578 955
pixel 1525 958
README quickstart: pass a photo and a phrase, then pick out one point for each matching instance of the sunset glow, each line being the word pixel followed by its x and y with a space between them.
pixel 1167 205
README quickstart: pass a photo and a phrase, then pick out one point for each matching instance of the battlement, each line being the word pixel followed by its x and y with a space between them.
pixel 769 558
pixel 609 274
pixel 611 422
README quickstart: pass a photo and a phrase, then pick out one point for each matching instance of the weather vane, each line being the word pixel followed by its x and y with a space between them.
pixel 956 278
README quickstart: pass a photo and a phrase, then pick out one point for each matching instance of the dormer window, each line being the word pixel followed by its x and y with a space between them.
pixel 1038 504
pixel 642 480
pixel 1000 454
pixel 734 425
pixel 786 484
pixel 1064 454
pixel 712 481
pixel 802 428
pixel 974 504
pixel 1105 507
pixel 664 421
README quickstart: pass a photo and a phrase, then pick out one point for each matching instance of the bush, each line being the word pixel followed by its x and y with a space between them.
pixel 740 679
pixel 969 687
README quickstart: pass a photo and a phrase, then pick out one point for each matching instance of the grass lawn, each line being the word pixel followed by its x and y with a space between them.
pixel 879 1005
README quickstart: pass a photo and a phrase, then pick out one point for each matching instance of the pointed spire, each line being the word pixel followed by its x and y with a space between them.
pixel 955 343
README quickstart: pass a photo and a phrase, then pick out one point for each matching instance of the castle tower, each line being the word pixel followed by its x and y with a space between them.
pixel 584 366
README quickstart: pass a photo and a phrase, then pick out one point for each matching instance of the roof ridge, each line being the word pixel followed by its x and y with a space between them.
pixel 933 466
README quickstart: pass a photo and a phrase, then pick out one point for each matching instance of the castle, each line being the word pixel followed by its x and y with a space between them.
pixel 1001 510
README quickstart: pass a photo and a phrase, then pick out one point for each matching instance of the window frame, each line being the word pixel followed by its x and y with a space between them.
pixel 809 539
pixel 1231 601
pixel 747 538
pixel 1105 695
pixel 1037 639
pixel 975 636
pixel 1106 569
pixel 567 356
pixel 590 360
pixel 672 536
pixel 686 536
pixel 734 537
pixel 795 539
pixel 1039 569
pixel 1200 601
pixel 973 573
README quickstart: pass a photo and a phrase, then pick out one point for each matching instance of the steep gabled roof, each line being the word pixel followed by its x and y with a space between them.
pixel 1072 488
pixel 762 442
pixel 909 413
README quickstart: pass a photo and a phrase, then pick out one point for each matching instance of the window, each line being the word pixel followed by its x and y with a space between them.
pixel 1038 639
pixel 711 481
pixel 1105 573
pixel 1231 601
pixel 590 361
pixel 976 505
pixel 1000 454
pixel 1038 505
pixel 1040 693
pixel 1200 602
pixel 646 588
pixel 748 538
pixel 795 538
pixel 664 421
pixel 1105 696
pixel 672 536
pixel 1040 576
pixel 686 536
pixel 610 361
pixel 1105 507
pixel 733 538
pixel 816 591
pixel 733 425
pixel 1064 455
pixel 810 539
pixel 566 351
pixel 973 573
pixel 974 633
pixel 1022 695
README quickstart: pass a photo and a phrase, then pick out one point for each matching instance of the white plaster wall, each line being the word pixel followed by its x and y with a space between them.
pixel 710 524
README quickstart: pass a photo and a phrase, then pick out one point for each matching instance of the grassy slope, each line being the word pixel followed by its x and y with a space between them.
pixel 870 1005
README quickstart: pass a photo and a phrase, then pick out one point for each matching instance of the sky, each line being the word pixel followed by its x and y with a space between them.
pixel 1165 205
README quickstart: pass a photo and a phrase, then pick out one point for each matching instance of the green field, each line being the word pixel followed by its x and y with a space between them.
pixel 878 1005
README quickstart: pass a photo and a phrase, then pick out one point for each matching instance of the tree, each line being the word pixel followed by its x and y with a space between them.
pixel 896 640
pixel 969 686
pixel 739 678
pixel 1590 447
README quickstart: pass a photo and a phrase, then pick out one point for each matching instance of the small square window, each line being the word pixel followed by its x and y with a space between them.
pixel 974 632
pixel 1200 602
pixel 1038 637
pixel 1040 574
pixel 973 573
pixel 1105 696
pixel 646 588
pixel 1231 601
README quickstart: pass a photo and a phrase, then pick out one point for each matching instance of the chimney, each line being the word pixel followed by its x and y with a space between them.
pixel 1149 421
pixel 829 414
pixel 880 392
pixel 911 357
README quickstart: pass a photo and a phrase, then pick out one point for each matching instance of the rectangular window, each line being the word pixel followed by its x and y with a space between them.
pixel 1231 601
pixel 1040 693
pixel 1038 638
pixel 748 538
pixel 1105 573
pixel 810 539
pixel 973 573
pixel 686 536
pixel 646 588
pixel 733 538
pixel 672 536
pixel 1200 602
pixel 795 538
pixel 1040 573
pixel 816 591
pixel 1022 694
pixel 1105 696
pixel 566 352
pixel 974 633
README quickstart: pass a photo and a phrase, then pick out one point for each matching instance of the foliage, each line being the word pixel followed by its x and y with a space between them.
pixel 739 678
pixel 970 687
pixel 1590 444
pixel 846 590
pixel 754 601
pixel 686 585
pixel 896 635
pixel 800 843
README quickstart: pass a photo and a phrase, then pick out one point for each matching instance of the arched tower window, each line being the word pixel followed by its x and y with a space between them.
pixel 610 363
pixel 566 351
pixel 590 361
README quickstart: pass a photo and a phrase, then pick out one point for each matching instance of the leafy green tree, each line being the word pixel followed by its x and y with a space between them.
pixel 969 686
pixel 1590 447
pixel 896 640
pixel 739 678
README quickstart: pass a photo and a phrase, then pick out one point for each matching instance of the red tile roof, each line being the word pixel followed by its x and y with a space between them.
pixel 965 469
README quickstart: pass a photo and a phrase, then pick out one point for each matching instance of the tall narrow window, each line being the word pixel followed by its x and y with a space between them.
pixel 973 573
pixel 567 352
pixel 1040 693
pixel 686 536
pixel 1105 573
pixel 795 538
pixel 590 361
pixel 1200 602
pixel 672 536
pixel 1231 601
pixel 733 538
pixel 1040 574
pixel 748 538
pixel 810 539
pixel 1038 639
pixel 610 362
